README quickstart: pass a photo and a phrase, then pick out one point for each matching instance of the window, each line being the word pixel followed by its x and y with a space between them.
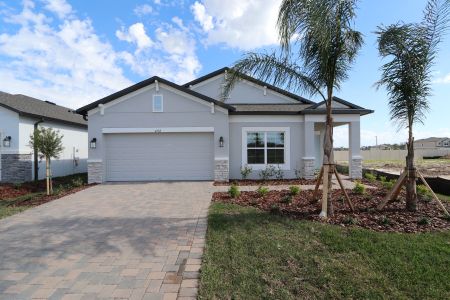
pixel 265 147
pixel 157 103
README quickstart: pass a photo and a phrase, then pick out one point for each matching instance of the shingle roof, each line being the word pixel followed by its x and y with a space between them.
pixel 431 139
pixel 83 110
pixel 269 108
pixel 36 108
pixel 251 79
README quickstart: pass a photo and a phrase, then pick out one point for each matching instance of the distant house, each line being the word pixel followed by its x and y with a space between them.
pixel 382 147
pixel 19 115
pixel 432 143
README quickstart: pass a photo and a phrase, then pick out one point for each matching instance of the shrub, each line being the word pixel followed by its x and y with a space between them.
pixel 278 173
pixel 233 191
pixel 77 182
pixel 423 221
pixel 286 199
pixel 350 220
pixel 424 193
pixel 383 178
pixel 384 221
pixel 267 173
pixel 294 190
pixel 370 176
pixel 17 185
pixel 274 208
pixel 388 184
pixel 245 171
pixel 359 188
pixel 262 191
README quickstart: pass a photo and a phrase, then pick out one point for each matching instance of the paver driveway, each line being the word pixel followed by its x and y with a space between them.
pixel 137 241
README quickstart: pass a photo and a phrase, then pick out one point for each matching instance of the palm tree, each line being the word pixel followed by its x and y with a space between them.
pixel 411 50
pixel 318 47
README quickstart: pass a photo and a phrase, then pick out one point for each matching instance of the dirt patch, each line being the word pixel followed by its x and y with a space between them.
pixel 393 218
pixel 251 182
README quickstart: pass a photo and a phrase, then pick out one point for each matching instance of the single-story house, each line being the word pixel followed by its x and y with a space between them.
pixel 19 115
pixel 159 130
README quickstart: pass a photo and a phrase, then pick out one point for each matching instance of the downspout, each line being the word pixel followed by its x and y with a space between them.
pixel 35 152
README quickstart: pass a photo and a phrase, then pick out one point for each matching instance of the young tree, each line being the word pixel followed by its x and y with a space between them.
pixel 49 143
pixel 411 50
pixel 318 47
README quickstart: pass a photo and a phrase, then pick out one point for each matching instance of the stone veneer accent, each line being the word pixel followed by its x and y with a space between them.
pixel 16 167
pixel 309 167
pixel 355 171
pixel 221 170
pixel 95 171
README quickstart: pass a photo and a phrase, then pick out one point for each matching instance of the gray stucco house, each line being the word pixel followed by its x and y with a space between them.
pixel 158 130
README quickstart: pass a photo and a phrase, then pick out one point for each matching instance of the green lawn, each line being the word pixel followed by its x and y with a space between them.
pixel 6 211
pixel 251 254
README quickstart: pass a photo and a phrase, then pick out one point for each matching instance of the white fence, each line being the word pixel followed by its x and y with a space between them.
pixel 376 154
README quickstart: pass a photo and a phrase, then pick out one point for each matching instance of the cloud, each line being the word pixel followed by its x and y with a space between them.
pixel 142 10
pixel 135 34
pixel 59 7
pixel 244 25
pixel 68 64
pixel 443 80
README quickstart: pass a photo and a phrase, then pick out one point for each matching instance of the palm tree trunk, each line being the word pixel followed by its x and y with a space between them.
pixel 411 193
pixel 328 153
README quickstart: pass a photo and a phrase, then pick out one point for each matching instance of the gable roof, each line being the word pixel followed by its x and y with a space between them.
pixel 35 108
pixel 83 110
pixel 251 79
pixel 350 109
pixel 431 139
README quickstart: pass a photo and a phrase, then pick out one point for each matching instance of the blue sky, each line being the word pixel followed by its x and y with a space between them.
pixel 73 52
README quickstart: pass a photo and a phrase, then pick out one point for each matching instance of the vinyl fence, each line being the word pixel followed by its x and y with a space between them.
pixel 377 154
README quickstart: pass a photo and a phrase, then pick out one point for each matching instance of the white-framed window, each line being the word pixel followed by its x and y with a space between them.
pixel 263 146
pixel 157 103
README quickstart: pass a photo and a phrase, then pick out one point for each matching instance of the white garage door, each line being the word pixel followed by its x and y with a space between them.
pixel 163 156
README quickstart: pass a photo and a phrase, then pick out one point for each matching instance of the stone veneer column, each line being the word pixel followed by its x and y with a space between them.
pixel 309 167
pixel 221 170
pixel 16 167
pixel 354 153
pixel 95 171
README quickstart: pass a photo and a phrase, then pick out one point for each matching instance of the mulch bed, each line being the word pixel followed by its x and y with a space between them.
pixel 258 182
pixel 393 218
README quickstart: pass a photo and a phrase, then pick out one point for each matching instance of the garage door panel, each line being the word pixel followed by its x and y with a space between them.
pixel 165 156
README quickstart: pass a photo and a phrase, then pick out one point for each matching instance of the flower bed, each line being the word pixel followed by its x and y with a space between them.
pixel 393 218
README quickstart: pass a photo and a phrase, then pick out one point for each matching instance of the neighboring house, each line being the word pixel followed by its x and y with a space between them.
pixel 432 143
pixel 19 115
pixel 158 130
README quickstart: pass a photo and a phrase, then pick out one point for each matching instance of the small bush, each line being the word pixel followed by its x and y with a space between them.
pixel 350 220
pixel 278 173
pixel 388 184
pixel 267 173
pixel 359 188
pixel 423 221
pixel 262 191
pixel 77 182
pixel 233 191
pixel 384 221
pixel 17 185
pixel 383 178
pixel 370 176
pixel 424 193
pixel 245 171
pixel 274 208
pixel 287 199
pixel 294 190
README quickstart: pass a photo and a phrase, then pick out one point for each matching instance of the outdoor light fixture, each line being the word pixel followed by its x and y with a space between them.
pixel 221 142
pixel 93 143
pixel 7 142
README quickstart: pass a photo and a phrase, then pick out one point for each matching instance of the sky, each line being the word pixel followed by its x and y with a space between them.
pixel 73 52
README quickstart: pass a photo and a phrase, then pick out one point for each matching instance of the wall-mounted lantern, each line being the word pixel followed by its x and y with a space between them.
pixel 7 142
pixel 93 143
pixel 221 142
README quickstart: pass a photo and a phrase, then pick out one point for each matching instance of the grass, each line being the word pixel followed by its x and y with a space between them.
pixel 443 197
pixel 6 211
pixel 252 254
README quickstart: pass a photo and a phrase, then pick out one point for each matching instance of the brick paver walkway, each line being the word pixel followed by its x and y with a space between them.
pixel 120 241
